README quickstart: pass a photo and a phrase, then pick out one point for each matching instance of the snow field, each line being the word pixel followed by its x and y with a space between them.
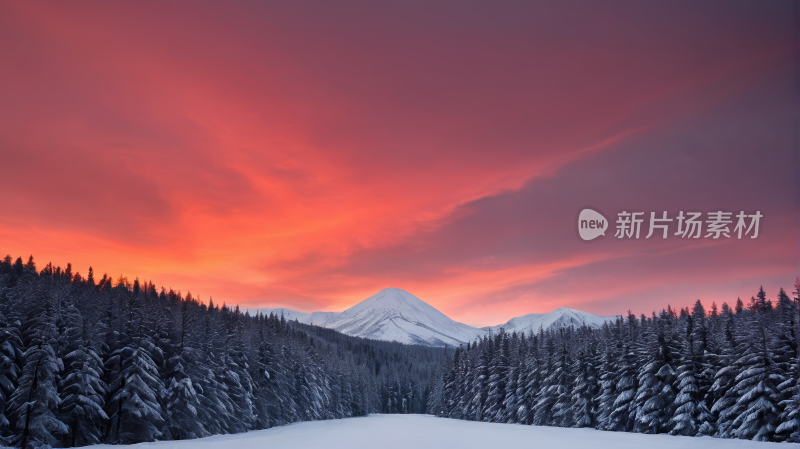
pixel 429 432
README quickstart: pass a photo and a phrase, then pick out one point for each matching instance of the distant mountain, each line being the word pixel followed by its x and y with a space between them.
pixel 561 317
pixel 394 314
pixel 289 314
pixel 307 318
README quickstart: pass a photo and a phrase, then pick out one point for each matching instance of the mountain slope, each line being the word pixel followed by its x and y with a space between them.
pixel 561 317
pixel 394 314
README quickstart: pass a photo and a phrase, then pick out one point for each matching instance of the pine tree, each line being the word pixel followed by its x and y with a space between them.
pixel 548 391
pixel 691 417
pixel 755 413
pixel 563 415
pixel 608 384
pixel 34 404
pixel 134 410
pixel 722 396
pixel 235 377
pixel 531 383
pixel 480 378
pixel 498 372
pixel 11 355
pixel 623 415
pixel 514 387
pixel 655 393
pixel 792 417
pixel 784 342
pixel 586 390
pixel 82 390
pixel 138 414
pixel 450 384
pixel 686 412
pixel 182 404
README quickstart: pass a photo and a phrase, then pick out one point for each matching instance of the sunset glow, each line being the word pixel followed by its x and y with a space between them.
pixel 306 156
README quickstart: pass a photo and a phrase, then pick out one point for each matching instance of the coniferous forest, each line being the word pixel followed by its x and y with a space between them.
pixel 723 372
pixel 86 361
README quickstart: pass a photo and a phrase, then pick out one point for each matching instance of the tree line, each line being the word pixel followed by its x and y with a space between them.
pixel 405 373
pixel 728 372
pixel 86 361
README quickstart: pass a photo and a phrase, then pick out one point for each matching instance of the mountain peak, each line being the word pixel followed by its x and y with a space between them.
pixel 394 293
pixel 394 289
pixel 394 314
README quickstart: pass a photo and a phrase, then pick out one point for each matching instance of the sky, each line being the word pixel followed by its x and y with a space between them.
pixel 308 154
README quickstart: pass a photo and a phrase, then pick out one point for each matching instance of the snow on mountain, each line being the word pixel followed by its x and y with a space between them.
pixel 561 317
pixel 320 318
pixel 394 314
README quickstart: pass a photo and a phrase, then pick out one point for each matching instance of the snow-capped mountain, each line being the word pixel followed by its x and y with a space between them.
pixel 561 317
pixel 394 314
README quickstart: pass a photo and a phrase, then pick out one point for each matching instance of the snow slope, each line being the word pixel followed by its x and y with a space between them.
pixel 561 317
pixel 428 432
pixel 394 314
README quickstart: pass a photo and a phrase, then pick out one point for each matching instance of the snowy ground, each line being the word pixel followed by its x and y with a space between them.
pixel 422 432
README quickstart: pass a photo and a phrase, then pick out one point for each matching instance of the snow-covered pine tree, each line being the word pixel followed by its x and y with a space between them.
pixel 134 409
pixel 755 414
pixel 586 389
pixel 607 375
pixel 262 364
pixel 623 416
pixel 530 380
pixel 498 372
pixel 449 385
pixel 655 394
pixel 784 342
pixel 714 360
pixel 548 390
pixel 724 377
pixel 11 354
pixel 82 389
pixel 137 412
pixel 182 403
pixel 436 399
pixel 691 416
pixel 235 374
pixel 563 415
pixel 480 380
pixel 514 390
pixel 34 404
pixel 791 420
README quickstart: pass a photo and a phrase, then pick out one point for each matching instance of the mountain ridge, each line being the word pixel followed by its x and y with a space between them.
pixel 394 314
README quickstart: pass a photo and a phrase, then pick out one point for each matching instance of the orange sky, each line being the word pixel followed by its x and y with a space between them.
pixel 307 155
